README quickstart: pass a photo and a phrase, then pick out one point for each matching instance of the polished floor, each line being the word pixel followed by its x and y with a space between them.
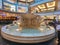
pixel 6 42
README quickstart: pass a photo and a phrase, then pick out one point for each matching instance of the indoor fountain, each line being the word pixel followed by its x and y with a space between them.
pixel 28 29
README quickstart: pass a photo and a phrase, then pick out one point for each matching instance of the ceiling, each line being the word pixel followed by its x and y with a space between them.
pixel 38 6
pixel 42 6
pixel 45 7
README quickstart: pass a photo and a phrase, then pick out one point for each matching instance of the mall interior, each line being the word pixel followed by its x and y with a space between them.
pixel 29 22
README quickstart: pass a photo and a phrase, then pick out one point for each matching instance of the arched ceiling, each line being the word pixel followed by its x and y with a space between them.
pixel 38 6
pixel 45 7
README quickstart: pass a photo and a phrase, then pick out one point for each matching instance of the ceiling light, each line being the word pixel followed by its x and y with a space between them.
pixel 41 6
pixel 43 9
pixel 51 8
pixel 51 4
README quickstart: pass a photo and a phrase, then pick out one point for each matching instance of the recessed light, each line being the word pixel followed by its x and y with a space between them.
pixel 41 6
pixel 50 4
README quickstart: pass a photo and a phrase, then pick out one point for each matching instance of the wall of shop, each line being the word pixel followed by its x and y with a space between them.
pixel 13 6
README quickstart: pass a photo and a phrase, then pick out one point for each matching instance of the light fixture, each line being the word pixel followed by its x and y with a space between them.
pixel 50 4
pixel 51 8
pixel 43 10
pixel 42 6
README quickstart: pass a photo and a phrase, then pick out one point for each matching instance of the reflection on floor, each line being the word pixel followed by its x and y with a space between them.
pixel 6 42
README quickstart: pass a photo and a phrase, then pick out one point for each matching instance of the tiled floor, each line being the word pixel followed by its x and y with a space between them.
pixel 5 42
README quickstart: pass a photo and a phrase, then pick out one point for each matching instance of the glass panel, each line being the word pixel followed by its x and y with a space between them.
pixel 9 7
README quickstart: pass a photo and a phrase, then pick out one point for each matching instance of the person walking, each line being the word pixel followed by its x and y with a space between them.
pixel 58 32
